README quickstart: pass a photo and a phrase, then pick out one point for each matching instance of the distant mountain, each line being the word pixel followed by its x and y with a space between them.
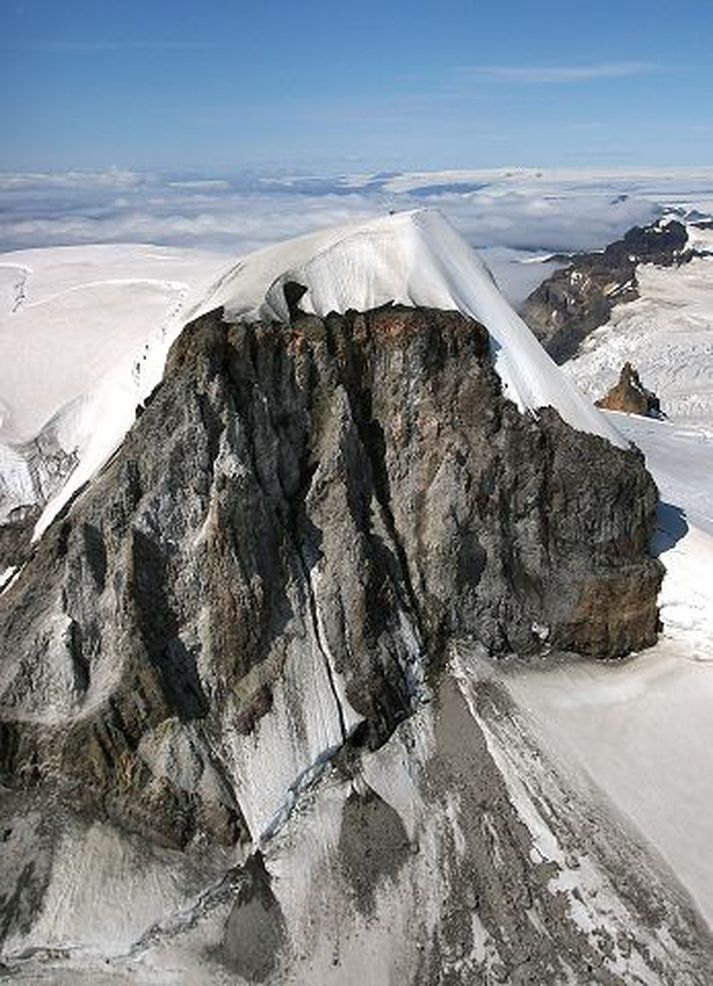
pixel 659 322
pixel 578 298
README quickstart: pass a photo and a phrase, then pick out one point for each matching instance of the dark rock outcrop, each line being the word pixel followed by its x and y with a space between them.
pixel 44 466
pixel 580 297
pixel 630 395
pixel 356 486
pixel 16 535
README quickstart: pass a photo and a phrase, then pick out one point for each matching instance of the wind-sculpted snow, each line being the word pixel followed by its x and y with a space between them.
pixel 413 258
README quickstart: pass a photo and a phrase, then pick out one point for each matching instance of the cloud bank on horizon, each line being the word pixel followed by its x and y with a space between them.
pixel 521 209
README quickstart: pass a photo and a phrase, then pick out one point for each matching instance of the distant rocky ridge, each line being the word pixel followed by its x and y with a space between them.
pixel 578 298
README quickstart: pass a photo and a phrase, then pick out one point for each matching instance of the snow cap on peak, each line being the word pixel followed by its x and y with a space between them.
pixel 411 258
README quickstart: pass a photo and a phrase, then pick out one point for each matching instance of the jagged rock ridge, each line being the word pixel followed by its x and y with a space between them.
pixel 578 298
pixel 630 395
pixel 271 573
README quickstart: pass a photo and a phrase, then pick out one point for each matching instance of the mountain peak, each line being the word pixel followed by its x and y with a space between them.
pixel 415 259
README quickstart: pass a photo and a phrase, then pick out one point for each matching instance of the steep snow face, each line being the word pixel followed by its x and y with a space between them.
pixel 413 258
pixel 58 350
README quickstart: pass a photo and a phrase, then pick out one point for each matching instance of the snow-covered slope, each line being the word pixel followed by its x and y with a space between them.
pixel 667 334
pixel 83 337
pixel 413 258
pixel 643 730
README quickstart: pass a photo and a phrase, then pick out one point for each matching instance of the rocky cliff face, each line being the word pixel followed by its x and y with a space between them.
pixel 574 301
pixel 269 578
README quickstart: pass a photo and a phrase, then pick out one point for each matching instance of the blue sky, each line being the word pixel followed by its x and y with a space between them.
pixel 329 86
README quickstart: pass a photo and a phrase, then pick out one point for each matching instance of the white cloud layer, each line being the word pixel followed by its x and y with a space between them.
pixel 521 209
pixel 535 74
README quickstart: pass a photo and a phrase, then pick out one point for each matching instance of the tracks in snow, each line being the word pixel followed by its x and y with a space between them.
pixel 18 297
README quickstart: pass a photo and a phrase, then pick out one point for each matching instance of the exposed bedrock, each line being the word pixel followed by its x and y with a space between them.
pixel 577 299
pixel 30 474
pixel 16 535
pixel 630 395
pixel 299 523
